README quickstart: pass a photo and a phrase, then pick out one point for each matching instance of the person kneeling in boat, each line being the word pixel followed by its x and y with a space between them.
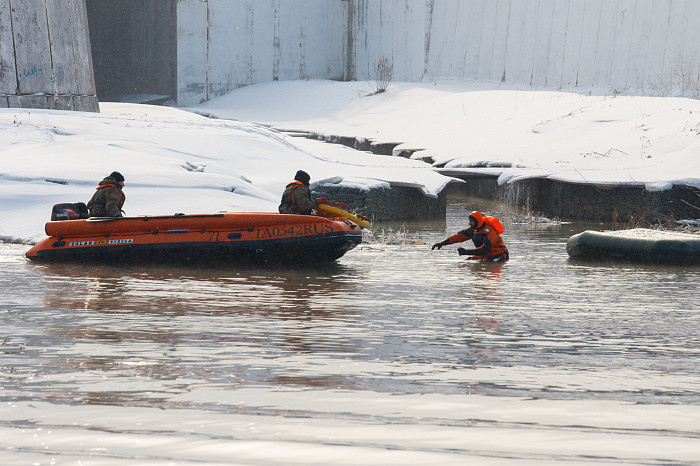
pixel 489 245
pixel 296 198
pixel 109 198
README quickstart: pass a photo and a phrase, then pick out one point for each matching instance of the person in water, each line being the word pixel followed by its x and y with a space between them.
pixel 296 198
pixel 489 245
pixel 109 198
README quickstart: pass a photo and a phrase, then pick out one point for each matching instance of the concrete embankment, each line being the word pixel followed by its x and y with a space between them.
pixel 624 203
pixel 395 202
pixel 587 201
pixel 45 56
pixel 392 203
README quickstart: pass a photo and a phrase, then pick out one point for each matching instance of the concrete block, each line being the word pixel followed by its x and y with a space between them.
pixel 86 103
pixel 27 101
pixel 60 102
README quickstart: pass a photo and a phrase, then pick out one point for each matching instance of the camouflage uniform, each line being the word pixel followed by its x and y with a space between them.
pixel 297 199
pixel 107 200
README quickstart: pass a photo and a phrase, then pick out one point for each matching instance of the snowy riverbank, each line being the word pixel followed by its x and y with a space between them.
pixel 177 161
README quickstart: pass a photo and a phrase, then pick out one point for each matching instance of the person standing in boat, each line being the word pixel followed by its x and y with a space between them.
pixel 109 198
pixel 489 245
pixel 296 198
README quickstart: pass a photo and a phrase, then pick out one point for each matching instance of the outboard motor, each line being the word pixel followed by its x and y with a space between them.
pixel 69 211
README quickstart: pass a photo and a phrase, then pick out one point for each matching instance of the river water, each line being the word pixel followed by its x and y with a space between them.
pixel 396 354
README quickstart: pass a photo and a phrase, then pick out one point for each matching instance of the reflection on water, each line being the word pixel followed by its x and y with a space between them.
pixel 387 318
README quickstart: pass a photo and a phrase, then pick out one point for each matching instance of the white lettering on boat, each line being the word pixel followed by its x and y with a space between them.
pixel 81 243
pixel 121 241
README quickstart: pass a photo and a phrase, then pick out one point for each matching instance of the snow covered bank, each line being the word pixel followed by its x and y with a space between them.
pixel 481 127
pixel 552 152
pixel 173 161
pixel 178 161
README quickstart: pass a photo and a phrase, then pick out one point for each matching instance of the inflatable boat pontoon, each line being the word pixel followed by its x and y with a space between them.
pixel 200 238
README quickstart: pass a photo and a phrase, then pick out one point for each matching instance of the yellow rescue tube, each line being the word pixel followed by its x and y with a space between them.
pixel 330 210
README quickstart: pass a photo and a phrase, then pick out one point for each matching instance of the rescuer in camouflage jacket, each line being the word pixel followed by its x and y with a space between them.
pixel 296 198
pixel 109 198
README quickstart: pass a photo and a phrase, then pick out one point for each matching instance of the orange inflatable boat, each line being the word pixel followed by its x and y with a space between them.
pixel 201 238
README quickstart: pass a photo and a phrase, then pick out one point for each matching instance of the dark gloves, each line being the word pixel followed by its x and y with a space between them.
pixel 441 244
pixel 465 252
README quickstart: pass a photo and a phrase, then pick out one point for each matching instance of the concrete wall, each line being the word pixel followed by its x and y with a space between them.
pixel 648 46
pixel 640 46
pixel 394 203
pixel 651 46
pixel 134 47
pixel 224 44
pixel 603 203
pixel 45 57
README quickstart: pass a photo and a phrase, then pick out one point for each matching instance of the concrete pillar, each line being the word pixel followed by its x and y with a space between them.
pixel 45 57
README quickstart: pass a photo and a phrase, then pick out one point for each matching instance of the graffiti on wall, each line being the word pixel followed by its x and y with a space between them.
pixel 33 71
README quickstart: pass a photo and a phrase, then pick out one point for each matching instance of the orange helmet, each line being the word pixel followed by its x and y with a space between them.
pixel 478 218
